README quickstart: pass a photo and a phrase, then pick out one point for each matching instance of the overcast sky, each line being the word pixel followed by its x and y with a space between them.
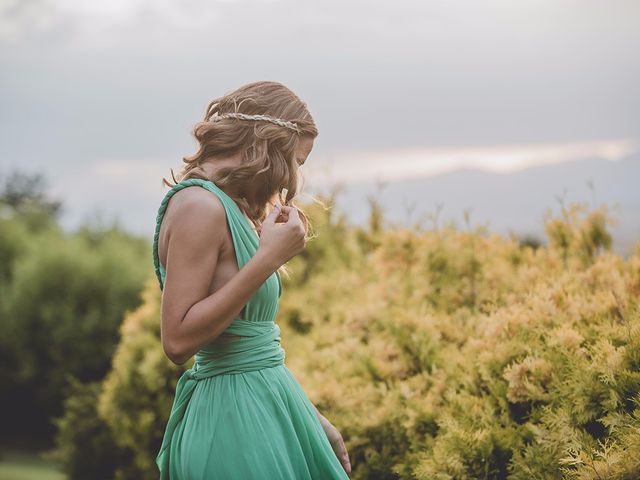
pixel 106 93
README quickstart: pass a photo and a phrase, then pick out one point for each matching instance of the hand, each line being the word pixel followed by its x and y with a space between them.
pixel 337 443
pixel 284 240
pixel 282 216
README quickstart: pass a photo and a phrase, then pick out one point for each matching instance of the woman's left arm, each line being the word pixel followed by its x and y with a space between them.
pixel 336 441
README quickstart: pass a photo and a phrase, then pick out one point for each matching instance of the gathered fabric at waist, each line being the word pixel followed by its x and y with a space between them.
pixel 258 348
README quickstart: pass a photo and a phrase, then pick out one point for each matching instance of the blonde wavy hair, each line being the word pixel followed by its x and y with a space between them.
pixel 267 149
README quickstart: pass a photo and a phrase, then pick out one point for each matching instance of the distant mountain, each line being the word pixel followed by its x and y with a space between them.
pixel 514 201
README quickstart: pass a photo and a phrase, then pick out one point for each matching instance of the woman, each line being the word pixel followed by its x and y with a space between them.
pixel 238 413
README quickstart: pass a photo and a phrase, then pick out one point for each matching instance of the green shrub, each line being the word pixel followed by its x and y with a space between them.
pixel 138 392
pixel 439 355
pixel 61 307
pixel 86 448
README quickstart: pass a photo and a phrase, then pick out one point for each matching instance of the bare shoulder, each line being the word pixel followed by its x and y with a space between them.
pixel 196 228
pixel 195 210
pixel 195 237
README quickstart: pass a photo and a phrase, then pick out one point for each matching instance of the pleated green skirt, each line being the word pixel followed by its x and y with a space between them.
pixel 239 413
pixel 252 425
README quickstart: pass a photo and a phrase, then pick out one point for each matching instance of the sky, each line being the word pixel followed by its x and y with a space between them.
pixel 101 97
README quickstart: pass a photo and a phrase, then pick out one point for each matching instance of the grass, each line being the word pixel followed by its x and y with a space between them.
pixel 20 465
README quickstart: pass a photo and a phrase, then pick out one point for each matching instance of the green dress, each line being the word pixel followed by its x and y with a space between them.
pixel 239 413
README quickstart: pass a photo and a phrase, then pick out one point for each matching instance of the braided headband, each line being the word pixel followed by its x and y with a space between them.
pixel 244 116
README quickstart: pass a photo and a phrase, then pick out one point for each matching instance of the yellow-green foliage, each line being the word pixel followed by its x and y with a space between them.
pixel 465 355
pixel 137 394
pixel 444 354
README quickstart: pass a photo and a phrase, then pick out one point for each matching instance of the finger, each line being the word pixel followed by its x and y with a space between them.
pixel 286 208
pixel 343 451
pixel 338 448
pixel 273 214
pixel 293 215
pixel 344 456
pixel 347 463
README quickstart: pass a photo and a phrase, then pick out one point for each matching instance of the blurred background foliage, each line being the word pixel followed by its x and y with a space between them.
pixel 62 298
pixel 439 352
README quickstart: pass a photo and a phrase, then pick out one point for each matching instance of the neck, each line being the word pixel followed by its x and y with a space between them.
pixel 211 166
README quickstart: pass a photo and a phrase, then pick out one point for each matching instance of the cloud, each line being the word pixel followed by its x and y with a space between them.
pixel 413 163
pixel 130 78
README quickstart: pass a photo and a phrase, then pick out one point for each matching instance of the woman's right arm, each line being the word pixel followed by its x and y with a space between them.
pixel 190 316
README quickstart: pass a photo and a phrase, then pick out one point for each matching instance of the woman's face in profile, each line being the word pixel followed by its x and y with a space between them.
pixel 304 149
